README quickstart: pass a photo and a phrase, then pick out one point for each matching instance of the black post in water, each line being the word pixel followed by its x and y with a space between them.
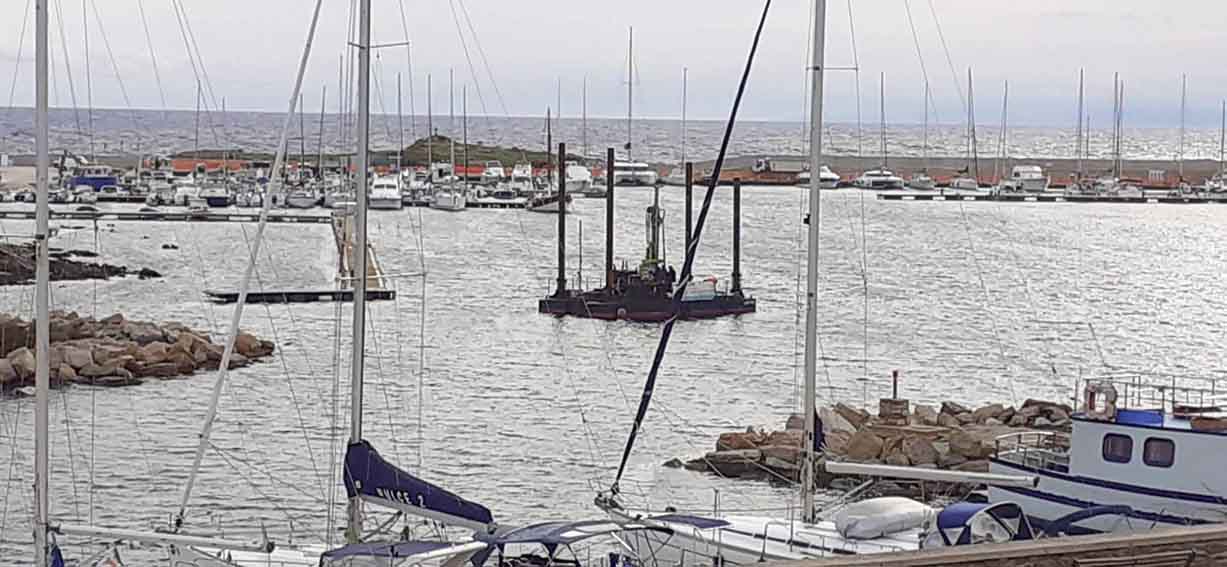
pixel 562 222
pixel 689 202
pixel 609 218
pixel 736 235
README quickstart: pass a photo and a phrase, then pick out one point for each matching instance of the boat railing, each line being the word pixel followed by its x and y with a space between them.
pixel 1042 450
pixel 1157 392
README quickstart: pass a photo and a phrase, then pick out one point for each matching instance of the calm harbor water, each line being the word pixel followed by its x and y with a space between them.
pixel 526 413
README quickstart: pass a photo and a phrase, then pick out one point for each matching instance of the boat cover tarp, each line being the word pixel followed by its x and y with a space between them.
pixel 553 534
pixel 964 523
pixel 877 517
pixel 696 521
pixel 374 479
pixel 384 549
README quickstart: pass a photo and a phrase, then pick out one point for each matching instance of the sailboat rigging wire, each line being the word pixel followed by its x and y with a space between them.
pixel 404 24
pixel 691 250
pixel 485 63
pixel 469 59
pixel 924 72
pixel 958 88
pixel 157 75
pixel 223 367
pixel 289 377
pixel 72 89
pixel 856 62
pixel 988 298
pixel 21 44
pixel 115 67
pixel 197 62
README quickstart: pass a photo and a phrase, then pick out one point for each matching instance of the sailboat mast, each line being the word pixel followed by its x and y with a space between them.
pixel 924 148
pixel 685 73
pixel 464 124
pixel 584 116
pixel 430 134
pixel 319 164
pixel 1222 142
pixel 811 273
pixel 42 372
pixel 881 114
pixel 999 167
pixel 971 126
pixel 451 119
pixel 1081 110
pixel 400 127
pixel 630 89
pixel 354 527
pixel 1184 89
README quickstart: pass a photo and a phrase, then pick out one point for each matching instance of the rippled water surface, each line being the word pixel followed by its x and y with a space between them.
pixel 527 413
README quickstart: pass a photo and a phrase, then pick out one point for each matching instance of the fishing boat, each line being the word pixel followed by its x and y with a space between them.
pixel 386 193
pixel 1150 446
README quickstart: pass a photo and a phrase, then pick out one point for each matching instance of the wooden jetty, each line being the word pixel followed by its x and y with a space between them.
pixel 168 216
pixel 342 232
pixel 1196 546
pixel 299 296
pixel 1052 198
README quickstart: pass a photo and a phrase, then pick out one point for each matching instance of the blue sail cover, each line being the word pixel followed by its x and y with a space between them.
pixel 372 478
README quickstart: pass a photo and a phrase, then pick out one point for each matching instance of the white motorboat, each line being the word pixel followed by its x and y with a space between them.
pixel 450 198
pixel 579 179
pixel 301 199
pixel 339 198
pixel 634 173
pixel 827 179
pixel 965 183
pixel 84 194
pixel 879 179
pixel 493 173
pixel 921 181
pixel 385 193
pixel 1026 179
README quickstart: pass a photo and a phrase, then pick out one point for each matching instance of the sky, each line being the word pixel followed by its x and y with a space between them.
pixel 250 51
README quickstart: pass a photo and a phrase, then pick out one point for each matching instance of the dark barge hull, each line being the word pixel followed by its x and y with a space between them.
pixel 602 306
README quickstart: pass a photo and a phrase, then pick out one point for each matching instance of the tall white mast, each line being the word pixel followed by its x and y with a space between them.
pixel 630 89
pixel 999 167
pixel 42 373
pixel 881 114
pixel 451 120
pixel 430 134
pixel 1081 110
pixel 354 530
pixel 1184 88
pixel 924 148
pixel 1222 143
pixel 685 72
pixel 584 114
pixel 811 275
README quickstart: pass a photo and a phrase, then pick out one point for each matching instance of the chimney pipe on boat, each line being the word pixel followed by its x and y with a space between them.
pixel 689 203
pixel 562 221
pixel 736 235
pixel 609 218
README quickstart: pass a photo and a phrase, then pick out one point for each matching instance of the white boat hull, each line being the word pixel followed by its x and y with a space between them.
pixel 448 201
pixel 640 178
pixel 386 204
pixel 297 202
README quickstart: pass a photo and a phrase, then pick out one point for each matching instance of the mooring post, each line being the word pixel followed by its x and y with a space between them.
pixel 689 202
pixel 736 235
pixel 562 222
pixel 894 384
pixel 609 218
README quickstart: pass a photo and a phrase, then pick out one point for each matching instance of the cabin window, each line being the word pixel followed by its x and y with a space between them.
pixel 1159 452
pixel 1117 448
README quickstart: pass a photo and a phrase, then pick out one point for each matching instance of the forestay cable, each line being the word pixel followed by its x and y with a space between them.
pixel 274 180
pixel 691 249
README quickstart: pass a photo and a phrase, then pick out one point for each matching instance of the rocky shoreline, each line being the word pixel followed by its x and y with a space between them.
pixel 114 351
pixel 951 437
pixel 17 263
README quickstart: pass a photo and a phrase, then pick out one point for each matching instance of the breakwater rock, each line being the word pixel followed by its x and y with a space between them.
pixel 17 263
pixel 115 351
pixel 950 436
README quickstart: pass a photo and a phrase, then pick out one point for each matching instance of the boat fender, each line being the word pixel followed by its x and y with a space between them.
pixel 621 312
pixel 1097 394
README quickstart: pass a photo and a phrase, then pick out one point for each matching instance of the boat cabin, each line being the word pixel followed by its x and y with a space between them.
pixel 1158 449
